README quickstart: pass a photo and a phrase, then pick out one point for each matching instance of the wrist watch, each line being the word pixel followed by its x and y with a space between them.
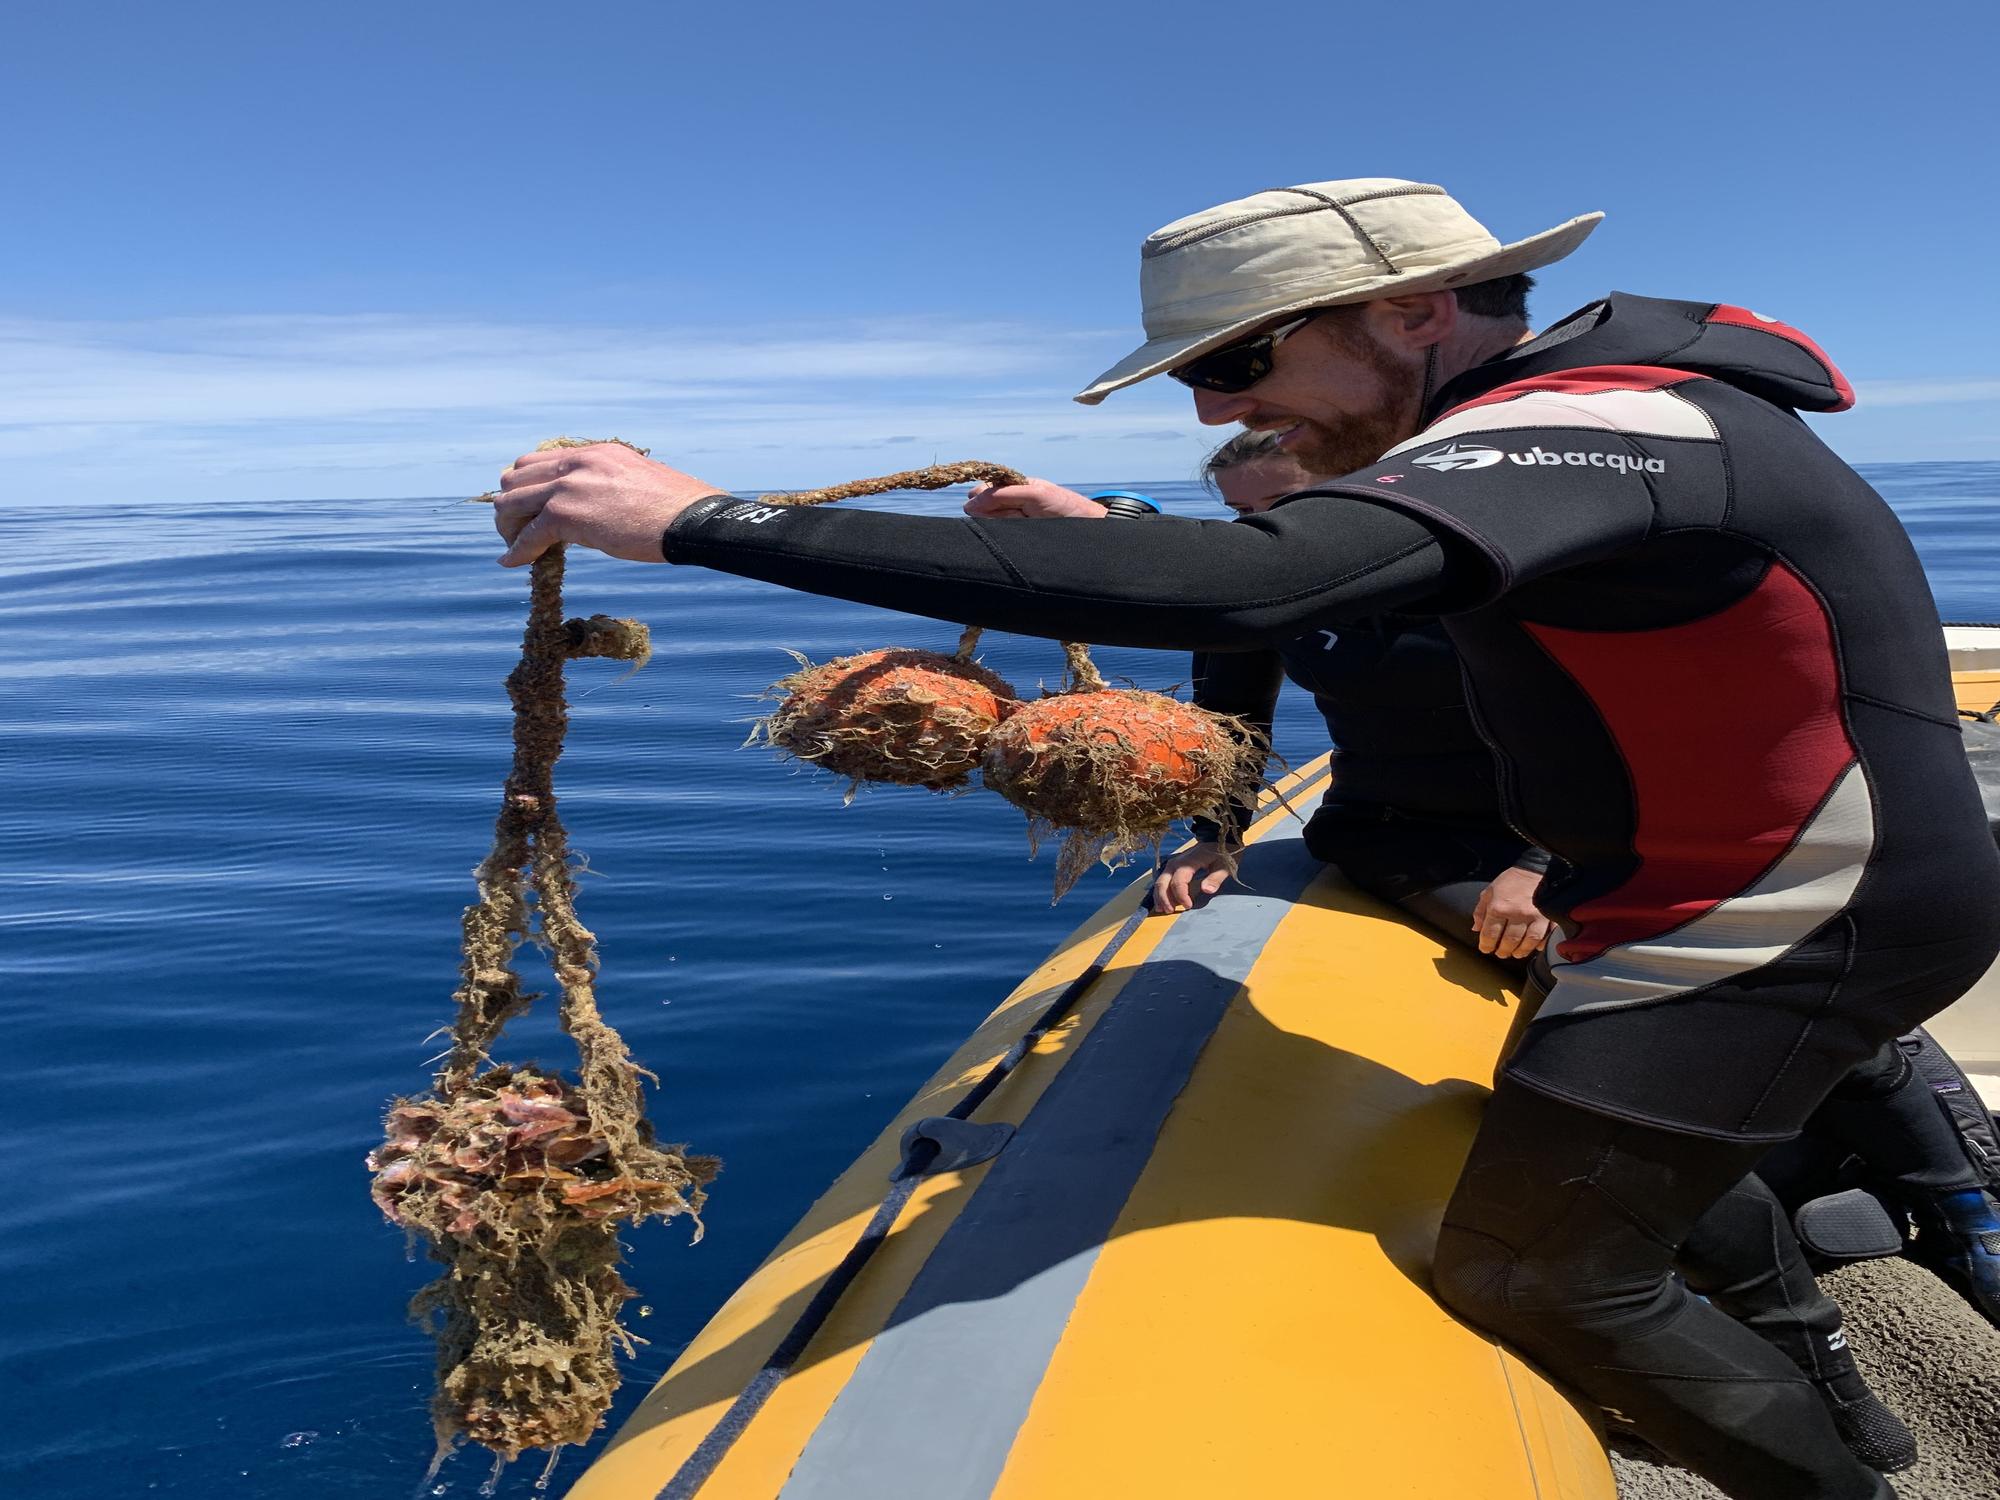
pixel 1125 503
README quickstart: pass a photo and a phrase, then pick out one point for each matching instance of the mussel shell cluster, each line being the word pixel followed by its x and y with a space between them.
pixel 516 1140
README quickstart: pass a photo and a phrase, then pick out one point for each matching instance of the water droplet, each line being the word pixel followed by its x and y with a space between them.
pixel 645 1312
pixel 444 1450
pixel 298 1439
pixel 548 1469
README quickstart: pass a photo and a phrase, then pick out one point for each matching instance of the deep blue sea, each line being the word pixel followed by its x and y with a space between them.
pixel 250 756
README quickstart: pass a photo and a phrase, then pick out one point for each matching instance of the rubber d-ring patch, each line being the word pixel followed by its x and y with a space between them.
pixel 959 1143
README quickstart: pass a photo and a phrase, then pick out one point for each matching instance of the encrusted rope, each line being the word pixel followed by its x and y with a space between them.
pixel 1083 674
pixel 531 853
pixel 936 477
pixel 516 1178
pixel 529 840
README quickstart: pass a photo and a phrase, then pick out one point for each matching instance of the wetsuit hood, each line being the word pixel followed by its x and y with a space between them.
pixel 1768 359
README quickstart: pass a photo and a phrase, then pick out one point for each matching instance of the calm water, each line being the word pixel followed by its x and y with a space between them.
pixel 251 755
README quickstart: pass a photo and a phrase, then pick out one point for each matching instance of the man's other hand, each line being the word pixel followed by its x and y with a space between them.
pixel 1506 920
pixel 1200 867
pixel 605 497
pixel 1036 499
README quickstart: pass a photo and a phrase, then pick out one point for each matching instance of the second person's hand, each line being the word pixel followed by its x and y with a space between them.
pixel 1506 918
pixel 1205 868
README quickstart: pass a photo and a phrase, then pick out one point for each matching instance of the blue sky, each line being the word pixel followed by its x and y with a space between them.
pixel 373 250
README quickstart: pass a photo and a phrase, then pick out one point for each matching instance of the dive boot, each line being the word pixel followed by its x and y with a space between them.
pixel 1958 1237
pixel 1872 1432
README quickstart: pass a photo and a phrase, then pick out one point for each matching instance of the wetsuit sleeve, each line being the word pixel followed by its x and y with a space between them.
pixel 1244 684
pixel 1533 858
pixel 1171 583
pixel 1526 501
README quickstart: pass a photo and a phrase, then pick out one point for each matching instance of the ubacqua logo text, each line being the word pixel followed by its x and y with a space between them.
pixel 1625 463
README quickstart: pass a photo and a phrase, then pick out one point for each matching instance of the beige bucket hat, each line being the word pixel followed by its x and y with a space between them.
pixel 1215 275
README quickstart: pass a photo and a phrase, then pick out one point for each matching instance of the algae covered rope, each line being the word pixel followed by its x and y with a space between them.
pixel 936 477
pixel 1083 674
pixel 516 1178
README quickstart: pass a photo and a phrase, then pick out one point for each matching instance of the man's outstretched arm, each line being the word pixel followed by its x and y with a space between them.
pixel 1171 583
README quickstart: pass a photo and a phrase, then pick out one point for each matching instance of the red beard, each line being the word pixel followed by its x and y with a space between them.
pixel 1360 440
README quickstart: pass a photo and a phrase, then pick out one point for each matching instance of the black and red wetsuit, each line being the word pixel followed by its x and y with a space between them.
pixel 1707 659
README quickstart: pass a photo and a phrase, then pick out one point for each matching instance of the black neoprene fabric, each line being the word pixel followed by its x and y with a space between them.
pixel 1885 1113
pixel 1561 1239
pixel 1168 582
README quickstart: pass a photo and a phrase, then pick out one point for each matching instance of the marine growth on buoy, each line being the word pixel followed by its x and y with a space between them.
pixel 906 717
pixel 1113 769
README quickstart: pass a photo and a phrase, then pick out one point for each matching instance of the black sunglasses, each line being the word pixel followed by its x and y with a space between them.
pixel 1234 368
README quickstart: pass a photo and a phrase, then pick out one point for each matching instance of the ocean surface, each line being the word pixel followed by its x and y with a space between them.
pixel 250 756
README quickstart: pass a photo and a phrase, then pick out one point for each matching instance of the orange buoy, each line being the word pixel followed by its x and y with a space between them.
pixel 1113 769
pixel 1113 761
pixel 907 717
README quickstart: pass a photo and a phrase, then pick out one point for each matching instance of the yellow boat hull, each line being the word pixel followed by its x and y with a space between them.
pixel 1197 1267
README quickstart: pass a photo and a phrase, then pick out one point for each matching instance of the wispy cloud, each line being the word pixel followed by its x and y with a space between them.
pixel 1943 392
pixel 257 406
pixel 242 369
pixel 400 405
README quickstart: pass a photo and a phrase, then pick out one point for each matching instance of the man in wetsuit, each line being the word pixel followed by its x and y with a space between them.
pixel 1703 651
pixel 1413 817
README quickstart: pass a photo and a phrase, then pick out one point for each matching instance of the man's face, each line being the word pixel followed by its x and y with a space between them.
pixel 1340 396
pixel 1257 485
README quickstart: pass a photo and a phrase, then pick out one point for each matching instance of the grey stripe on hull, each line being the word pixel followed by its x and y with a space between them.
pixel 933 1408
